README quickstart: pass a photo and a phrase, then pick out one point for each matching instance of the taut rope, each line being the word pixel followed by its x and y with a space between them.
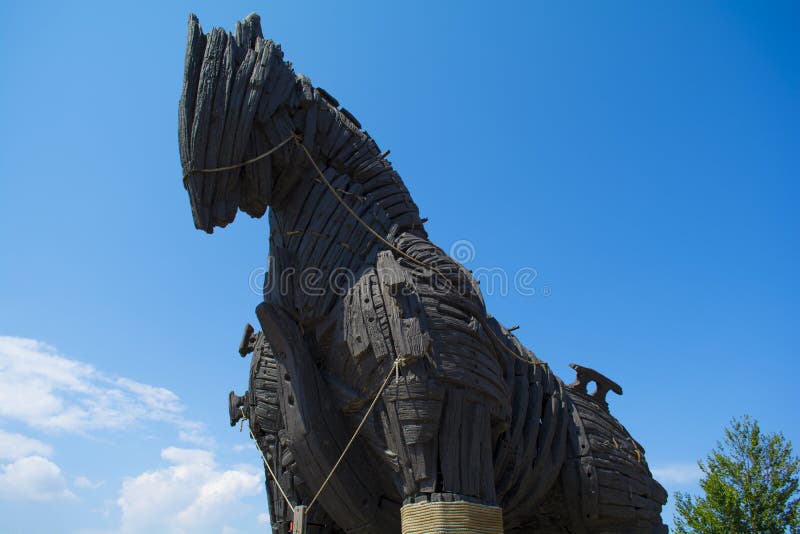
pixel 239 165
pixel 399 362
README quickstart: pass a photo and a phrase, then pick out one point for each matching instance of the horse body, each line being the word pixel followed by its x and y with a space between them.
pixel 471 415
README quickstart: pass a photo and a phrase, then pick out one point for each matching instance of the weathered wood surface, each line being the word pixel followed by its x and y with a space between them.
pixel 463 419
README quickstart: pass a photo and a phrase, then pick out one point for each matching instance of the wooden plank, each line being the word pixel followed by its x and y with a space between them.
pixel 281 84
pixel 358 340
pixel 209 73
pixel 201 186
pixel 449 440
pixel 236 98
pixel 371 311
pixel 219 184
pixel 257 177
pixel 195 48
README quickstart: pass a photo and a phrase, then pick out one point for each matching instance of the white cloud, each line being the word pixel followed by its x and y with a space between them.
pixel 43 389
pixel 189 495
pixel 263 519
pixel 195 434
pixel 16 446
pixel 46 390
pixel 179 456
pixel 33 478
pixel 677 473
pixel 86 483
pixel 30 476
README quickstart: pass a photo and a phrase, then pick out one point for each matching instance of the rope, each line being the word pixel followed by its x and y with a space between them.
pixel 266 463
pixel 361 221
pixel 511 352
pixel 454 516
pixel 395 369
pixel 242 164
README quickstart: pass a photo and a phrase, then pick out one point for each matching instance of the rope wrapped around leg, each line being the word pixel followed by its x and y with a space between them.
pixel 446 517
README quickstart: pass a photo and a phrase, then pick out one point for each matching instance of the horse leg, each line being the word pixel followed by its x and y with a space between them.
pixel 444 445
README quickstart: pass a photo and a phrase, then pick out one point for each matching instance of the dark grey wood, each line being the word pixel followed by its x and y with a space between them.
pixel 464 418
pixel 585 376
pixel 195 47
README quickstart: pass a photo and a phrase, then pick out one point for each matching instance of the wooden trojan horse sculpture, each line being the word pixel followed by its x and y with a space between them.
pixel 375 337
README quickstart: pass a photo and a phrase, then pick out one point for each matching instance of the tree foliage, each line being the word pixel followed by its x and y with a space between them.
pixel 750 486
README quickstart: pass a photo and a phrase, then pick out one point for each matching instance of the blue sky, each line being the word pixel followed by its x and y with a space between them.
pixel 642 158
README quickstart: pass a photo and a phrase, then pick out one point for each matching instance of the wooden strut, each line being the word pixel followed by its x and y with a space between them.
pixel 300 512
pixel 399 362
pixel 266 463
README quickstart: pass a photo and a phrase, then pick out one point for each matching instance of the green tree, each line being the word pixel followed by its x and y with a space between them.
pixel 750 486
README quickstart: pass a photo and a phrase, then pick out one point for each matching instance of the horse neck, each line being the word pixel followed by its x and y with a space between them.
pixel 317 232
pixel 318 247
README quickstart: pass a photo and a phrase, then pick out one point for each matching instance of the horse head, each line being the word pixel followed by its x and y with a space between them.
pixel 240 99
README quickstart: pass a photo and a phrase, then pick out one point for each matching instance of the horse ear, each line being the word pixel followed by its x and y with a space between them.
pixel 248 31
